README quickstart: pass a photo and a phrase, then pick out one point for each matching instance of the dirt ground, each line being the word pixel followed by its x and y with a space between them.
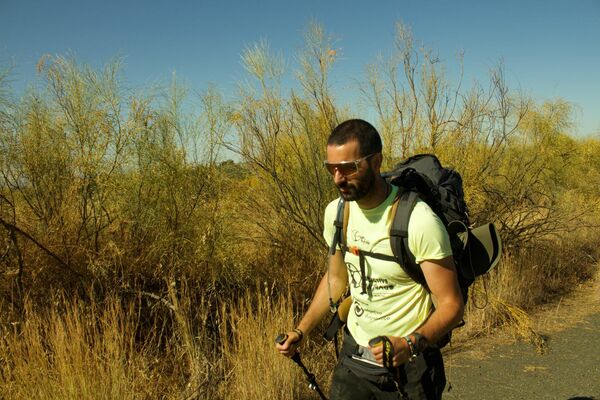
pixel 500 367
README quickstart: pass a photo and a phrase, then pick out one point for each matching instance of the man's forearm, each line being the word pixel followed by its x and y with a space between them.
pixel 443 284
pixel 444 318
pixel 319 305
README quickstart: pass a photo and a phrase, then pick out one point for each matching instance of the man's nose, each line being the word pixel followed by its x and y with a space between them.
pixel 338 177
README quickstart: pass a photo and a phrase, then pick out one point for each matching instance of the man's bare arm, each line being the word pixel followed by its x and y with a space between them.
pixel 442 281
pixel 335 280
pixel 441 278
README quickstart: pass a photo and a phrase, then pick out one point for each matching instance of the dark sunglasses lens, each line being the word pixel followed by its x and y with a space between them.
pixel 344 169
pixel 347 169
pixel 330 168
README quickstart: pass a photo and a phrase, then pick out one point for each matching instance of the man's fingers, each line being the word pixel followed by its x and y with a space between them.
pixel 399 356
pixel 287 349
pixel 383 350
pixel 286 343
pixel 377 354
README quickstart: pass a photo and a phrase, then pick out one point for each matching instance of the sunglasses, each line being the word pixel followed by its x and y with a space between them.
pixel 346 168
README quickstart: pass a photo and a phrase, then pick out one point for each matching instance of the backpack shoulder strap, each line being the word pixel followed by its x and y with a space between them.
pixel 341 226
pixel 339 240
pixel 345 222
pixel 402 210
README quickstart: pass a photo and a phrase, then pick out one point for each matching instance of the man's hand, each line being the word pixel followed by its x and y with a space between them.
pixel 399 347
pixel 288 344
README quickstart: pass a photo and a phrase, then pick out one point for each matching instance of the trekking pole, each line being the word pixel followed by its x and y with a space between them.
pixel 312 381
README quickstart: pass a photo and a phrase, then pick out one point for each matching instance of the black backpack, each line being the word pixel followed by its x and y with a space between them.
pixel 475 251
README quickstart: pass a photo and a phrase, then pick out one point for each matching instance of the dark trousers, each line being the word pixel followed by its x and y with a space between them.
pixel 422 379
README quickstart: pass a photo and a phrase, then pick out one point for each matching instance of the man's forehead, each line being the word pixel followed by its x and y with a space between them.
pixel 349 151
pixel 350 145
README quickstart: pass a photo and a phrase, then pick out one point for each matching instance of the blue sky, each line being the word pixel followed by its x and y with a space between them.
pixel 549 48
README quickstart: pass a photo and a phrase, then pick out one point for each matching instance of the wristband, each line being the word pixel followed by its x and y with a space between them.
pixel 299 332
pixel 414 352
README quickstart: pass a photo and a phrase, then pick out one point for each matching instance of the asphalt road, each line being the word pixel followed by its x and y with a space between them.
pixel 570 369
pixel 503 369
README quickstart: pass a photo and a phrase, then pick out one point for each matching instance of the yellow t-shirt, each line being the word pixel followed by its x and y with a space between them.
pixel 394 304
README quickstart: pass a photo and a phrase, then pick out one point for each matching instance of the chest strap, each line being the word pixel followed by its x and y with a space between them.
pixel 361 257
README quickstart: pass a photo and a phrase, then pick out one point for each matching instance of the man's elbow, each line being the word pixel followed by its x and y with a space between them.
pixel 457 311
pixel 453 309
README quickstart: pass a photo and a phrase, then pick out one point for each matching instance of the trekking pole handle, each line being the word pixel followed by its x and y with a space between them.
pixel 388 349
pixel 281 338
pixel 376 341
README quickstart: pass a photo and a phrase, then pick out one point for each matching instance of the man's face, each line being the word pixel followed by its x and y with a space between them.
pixel 353 176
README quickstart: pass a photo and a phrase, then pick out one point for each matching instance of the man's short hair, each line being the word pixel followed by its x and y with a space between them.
pixel 368 138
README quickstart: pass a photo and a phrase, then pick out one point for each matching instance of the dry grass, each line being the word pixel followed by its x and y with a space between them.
pixel 80 352
pixel 94 350
pixel 256 369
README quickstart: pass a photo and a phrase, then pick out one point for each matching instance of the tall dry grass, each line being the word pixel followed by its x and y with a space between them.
pixel 94 350
pixel 100 349
pixel 256 370
pixel 77 351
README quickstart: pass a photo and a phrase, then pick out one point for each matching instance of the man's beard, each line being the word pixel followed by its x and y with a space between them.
pixel 360 188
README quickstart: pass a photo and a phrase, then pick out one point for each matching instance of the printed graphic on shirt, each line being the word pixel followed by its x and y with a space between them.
pixel 363 311
pixel 376 287
pixel 354 276
pixel 359 239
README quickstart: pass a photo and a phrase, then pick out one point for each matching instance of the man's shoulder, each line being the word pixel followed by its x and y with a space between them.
pixel 422 209
pixel 331 209
pixel 423 217
pixel 329 218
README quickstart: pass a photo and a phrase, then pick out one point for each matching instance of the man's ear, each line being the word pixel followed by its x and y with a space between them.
pixel 377 161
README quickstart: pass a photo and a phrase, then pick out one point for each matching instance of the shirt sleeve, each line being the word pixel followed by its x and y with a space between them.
pixel 328 219
pixel 427 236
